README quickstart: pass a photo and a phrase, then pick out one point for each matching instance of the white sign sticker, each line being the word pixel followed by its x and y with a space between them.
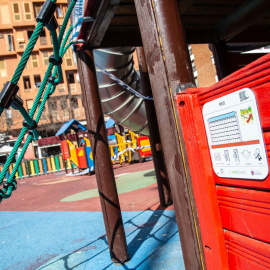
pixel 78 12
pixel 235 136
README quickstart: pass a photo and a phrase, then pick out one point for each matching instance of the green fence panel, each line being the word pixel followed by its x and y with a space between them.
pixel 57 163
pixel 36 166
pixel 20 171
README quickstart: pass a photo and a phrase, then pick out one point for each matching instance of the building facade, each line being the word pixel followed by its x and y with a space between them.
pixel 17 23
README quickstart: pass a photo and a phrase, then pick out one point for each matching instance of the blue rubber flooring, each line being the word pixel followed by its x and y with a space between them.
pixel 76 240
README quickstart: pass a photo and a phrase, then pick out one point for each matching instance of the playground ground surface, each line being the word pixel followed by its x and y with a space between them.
pixel 55 222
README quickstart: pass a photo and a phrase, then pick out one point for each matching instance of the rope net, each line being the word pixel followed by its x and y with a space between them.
pixel 53 76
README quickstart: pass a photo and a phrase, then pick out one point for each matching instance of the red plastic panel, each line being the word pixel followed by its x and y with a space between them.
pixel 65 150
pixel 254 76
pixel 246 253
pixel 244 205
pixel 82 159
pixel 245 211
pixel 144 141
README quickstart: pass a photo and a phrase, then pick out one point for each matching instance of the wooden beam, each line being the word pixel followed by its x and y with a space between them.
pixel 241 19
pixel 121 39
pixel 102 22
pixel 126 9
pixel 101 155
pixel 164 190
pixel 163 40
pixel 184 5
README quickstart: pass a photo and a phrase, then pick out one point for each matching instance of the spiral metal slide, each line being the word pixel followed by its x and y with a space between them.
pixel 121 105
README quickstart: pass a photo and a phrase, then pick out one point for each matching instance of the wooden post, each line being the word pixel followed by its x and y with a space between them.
pixel 156 148
pixel 221 58
pixel 65 165
pixel 169 65
pixel 102 159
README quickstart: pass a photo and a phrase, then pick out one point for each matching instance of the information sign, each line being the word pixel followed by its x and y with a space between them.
pixel 235 136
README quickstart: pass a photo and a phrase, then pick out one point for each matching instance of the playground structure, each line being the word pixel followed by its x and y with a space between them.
pixel 222 213
pixel 121 150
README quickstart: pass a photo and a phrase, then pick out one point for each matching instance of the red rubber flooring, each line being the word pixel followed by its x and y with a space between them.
pixel 44 193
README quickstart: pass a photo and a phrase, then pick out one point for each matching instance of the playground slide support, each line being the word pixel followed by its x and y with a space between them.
pixel 155 142
pixel 221 57
pixel 102 158
pixel 169 65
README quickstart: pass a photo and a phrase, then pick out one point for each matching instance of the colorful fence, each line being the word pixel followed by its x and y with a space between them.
pixel 42 166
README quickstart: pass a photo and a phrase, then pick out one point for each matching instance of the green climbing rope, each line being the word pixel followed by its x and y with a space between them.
pixel 11 185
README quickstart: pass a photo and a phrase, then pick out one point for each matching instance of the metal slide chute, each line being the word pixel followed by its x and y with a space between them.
pixel 121 105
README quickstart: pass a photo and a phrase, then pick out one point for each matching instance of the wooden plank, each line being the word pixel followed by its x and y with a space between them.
pixel 124 20
pixel 167 68
pixel 241 19
pixel 124 28
pixel 252 35
pixel 210 10
pixel 197 27
pixel 198 20
pixel 103 166
pixel 121 39
pixel 127 1
pixel 219 2
pixel 184 5
pixel 102 22
pixel 126 9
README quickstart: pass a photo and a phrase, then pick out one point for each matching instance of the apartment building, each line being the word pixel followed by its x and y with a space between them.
pixel 17 23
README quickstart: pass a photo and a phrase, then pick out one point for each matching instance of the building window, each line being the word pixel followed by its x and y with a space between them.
pixel 29 104
pixel 16 12
pixel 3 71
pixel 20 39
pixel 27 11
pixel 37 8
pixel 68 57
pixel 59 11
pixel 26 82
pixel 213 59
pixel 52 104
pixel 37 80
pixel 63 103
pixel 70 77
pixel 43 38
pixel 45 55
pixel 55 116
pixel 34 60
pixel 196 82
pixel 29 33
pixel 74 103
pixel 10 45
pixel 4 10
pixel 61 87
pixel 8 113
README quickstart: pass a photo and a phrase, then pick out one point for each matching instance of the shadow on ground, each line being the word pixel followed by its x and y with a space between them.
pixel 153 244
